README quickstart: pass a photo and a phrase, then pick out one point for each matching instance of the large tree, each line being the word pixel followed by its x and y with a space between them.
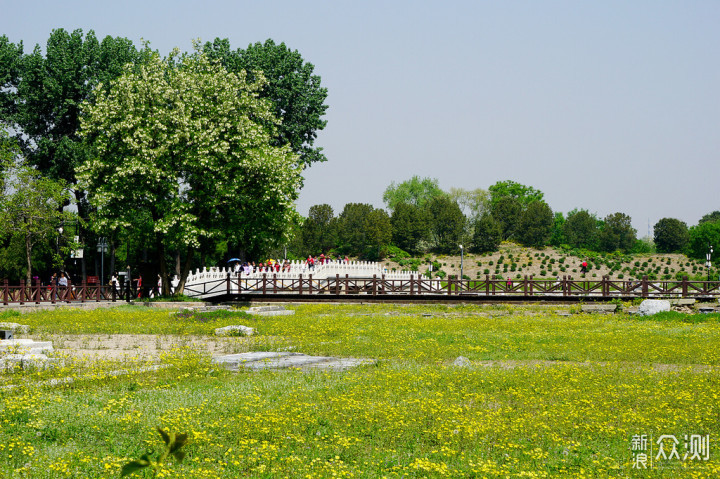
pixel 617 233
pixel 298 99
pixel 487 234
pixel 508 188
pixel 185 145
pixel 671 235
pixel 31 210
pixel 702 236
pixel 536 224
pixel 364 231
pixel 507 211
pixel 447 224
pixel 410 227
pixel 415 191
pixel 319 231
pixel 581 229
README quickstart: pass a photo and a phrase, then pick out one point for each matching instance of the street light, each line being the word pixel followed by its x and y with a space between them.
pixel 708 263
pixel 102 249
pixel 461 262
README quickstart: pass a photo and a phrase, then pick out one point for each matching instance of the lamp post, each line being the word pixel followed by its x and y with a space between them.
pixel 461 261
pixel 102 248
pixel 57 244
pixel 708 263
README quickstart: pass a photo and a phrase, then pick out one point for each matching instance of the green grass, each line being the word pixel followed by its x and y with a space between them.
pixel 545 396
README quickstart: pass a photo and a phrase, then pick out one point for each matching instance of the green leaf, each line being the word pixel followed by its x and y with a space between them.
pixel 134 466
pixel 165 436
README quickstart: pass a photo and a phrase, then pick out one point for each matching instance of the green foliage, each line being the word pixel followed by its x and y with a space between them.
pixel 364 231
pixel 415 191
pixel 507 211
pixel 173 445
pixel 671 235
pixel 703 235
pixel 487 235
pixel 319 231
pixel 289 82
pixel 713 217
pixel 510 189
pixel 447 224
pixel 200 164
pixel 410 227
pixel 536 224
pixel 617 233
pixel 581 230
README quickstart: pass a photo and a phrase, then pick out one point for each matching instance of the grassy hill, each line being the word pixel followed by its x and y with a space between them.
pixel 515 261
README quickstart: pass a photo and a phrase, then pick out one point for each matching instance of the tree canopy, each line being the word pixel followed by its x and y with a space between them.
pixel 671 235
pixel 524 194
pixel 415 191
pixel 617 233
pixel 298 99
pixel 185 144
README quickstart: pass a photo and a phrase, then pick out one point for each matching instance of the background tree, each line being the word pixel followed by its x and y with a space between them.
pixel 410 227
pixel 535 224
pixel 702 236
pixel 31 210
pixel 487 235
pixel 319 231
pixel 364 231
pixel 581 230
pixel 506 211
pixel 617 233
pixel 185 143
pixel 415 191
pixel 447 224
pixel 557 237
pixel 378 233
pixel 524 194
pixel 473 203
pixel 297 97
pixel 710 217
pixel 671 235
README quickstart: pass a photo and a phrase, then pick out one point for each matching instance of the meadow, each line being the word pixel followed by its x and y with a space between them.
pixel 541 395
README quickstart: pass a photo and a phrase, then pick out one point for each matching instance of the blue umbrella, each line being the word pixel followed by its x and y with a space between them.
pixel 231 260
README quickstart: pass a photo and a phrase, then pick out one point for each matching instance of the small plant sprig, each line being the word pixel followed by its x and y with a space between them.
pixel 173 443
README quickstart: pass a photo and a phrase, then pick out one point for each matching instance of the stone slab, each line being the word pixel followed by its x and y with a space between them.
pixel 235 330
pixel 599 308
pixel 283 360
pixel 17 328
pixel 287 312
pixel 653 306
pixel 24 346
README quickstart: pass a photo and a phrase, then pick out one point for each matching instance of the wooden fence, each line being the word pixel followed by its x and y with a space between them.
pixel 234 286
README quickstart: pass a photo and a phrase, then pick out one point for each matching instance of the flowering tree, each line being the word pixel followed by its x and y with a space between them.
pixel 186 146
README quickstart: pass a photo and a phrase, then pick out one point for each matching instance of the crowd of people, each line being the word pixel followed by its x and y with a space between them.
pixel 282 266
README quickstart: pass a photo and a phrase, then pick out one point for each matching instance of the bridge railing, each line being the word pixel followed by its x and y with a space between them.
pixel 274 283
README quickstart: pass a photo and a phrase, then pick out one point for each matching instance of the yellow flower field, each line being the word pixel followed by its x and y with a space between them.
pixel 543 395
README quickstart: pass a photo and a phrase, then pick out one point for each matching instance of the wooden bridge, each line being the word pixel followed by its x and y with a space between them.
pixel 267 287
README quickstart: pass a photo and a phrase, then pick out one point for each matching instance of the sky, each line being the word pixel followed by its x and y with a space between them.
pixel 609 106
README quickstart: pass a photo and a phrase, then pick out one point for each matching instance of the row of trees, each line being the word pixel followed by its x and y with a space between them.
pixel 174 160
pixel 424 218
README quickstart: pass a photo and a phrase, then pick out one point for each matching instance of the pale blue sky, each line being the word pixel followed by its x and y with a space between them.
pixel 609 106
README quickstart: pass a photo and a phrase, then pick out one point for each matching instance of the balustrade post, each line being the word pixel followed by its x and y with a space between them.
pixel 6 291
pixel 449 285
pixel 36 291
pixel 645 288
pixel 382 284
pixel 264 284
pixel 83 291
pixel 374 285
pixel 300 284
pixel 487 285
pixel 347 283
pixel 274 283
pixel 337 284
pixel 525 285
pixel 22 291
pixel 564 285
pixel 684 286
pixel 412 285
pixel 310 283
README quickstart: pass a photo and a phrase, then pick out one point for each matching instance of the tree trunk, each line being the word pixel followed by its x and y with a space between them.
pixel 28 255
pixel 184 273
